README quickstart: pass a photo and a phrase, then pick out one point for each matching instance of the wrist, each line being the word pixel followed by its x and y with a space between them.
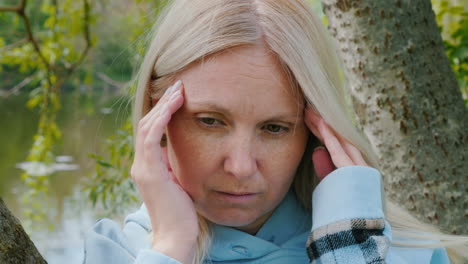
pixel 179 247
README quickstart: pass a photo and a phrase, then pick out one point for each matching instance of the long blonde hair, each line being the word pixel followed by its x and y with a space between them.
pixel 189 30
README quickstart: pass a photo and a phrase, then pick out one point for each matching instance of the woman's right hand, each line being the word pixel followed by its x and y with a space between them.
pixel 170 208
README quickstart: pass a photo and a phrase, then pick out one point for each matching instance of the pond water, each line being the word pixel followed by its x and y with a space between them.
pixel 85 123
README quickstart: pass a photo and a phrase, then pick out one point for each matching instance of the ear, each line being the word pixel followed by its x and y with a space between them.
pixel 323 164
pixel 154 101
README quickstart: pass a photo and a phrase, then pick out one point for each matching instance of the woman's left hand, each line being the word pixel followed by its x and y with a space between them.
pixel 338 152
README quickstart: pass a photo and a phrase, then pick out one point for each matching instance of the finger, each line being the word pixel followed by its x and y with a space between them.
pixel 144 124
pixel 322 161
pixel 162 105
pixel 165 159
pixel 353 152
pixel 141 133
pixel 314 130
pixel 153 139
pixel 158 107
pixel 138 146
pixel 311 119
pixel 167 94
pixel 338 154
pixel 176 101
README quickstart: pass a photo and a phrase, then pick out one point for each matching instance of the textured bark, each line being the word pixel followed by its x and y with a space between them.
pixel 15 244
pixel 408 103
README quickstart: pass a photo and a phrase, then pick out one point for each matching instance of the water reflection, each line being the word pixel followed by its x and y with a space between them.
pixel 44 169
pixel 85 124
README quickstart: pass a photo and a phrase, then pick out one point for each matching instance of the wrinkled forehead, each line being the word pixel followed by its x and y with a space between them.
pixel 251 71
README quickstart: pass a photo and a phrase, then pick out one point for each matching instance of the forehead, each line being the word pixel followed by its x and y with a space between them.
pixel 245 76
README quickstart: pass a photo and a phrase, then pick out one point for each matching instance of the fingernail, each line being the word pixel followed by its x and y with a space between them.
pixel 319 148
pixel 176 85
pixel 173 87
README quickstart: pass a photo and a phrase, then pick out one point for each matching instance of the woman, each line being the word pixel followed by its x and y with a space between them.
pixel 227 158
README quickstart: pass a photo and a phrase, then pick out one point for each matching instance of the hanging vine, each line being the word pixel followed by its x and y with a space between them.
pixel 51 59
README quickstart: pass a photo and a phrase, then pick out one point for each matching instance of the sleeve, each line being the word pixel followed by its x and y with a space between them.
pixel 348 223
pixel 106 243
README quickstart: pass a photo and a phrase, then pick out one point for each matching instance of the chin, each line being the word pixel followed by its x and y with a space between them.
pixel 232 219
pixel 232 222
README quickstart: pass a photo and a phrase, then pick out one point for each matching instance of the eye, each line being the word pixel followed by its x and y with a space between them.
pixel 275 129
pixel 209 121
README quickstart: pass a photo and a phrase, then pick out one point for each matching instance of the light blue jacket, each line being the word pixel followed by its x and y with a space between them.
pixel 347 193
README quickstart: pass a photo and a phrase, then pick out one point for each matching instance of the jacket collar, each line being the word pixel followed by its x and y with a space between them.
pixel 278 232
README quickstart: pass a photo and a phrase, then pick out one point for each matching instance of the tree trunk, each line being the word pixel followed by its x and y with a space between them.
pixel 15 244
pixel 408 103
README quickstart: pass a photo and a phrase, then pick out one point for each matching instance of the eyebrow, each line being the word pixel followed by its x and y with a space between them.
pixel 219 108
pixel 211 106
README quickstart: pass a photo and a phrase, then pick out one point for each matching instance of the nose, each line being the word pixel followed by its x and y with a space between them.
pixel 240 160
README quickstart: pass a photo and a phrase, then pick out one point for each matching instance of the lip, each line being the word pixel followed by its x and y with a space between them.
pixel 236 197
pixel 237 194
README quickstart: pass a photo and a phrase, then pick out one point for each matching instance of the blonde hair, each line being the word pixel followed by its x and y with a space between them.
pixel 190 30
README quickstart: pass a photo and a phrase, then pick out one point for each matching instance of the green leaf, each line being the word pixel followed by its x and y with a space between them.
pixel 33 102
pixel 105 164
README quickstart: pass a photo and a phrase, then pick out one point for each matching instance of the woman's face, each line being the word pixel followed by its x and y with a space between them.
pixel 238 139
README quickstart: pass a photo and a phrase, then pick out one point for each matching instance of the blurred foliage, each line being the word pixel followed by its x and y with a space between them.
pixel 111 184
pixel 452 19
pixel 43 46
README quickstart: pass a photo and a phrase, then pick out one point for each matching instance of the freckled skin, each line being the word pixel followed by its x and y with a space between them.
pixel 239 152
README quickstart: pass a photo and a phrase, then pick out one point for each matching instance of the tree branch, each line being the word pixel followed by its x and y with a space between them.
pixel 87 37
pixel 30 35
pixel 110 81
pixel 16 9
pixel 17 87
pixel 14 45
pixel 20 10
pixel 9 9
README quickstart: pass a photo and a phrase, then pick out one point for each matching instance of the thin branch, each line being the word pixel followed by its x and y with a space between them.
pixel 69 68
pixel 20 9
pixel 57 9
pixel 14 45
pixel 17 9
pixel 110 81
pixel 87 36
pixel 17 87
pixel 10 8
pixel 31 38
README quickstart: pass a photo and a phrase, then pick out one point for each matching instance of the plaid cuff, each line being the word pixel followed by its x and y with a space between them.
pixel 349 241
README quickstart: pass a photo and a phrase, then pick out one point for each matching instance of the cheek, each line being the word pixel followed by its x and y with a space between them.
pixel 192 155
pixel 283 158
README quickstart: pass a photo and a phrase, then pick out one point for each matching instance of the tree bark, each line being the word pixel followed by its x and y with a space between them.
pixel 407 102
pixel 15 244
